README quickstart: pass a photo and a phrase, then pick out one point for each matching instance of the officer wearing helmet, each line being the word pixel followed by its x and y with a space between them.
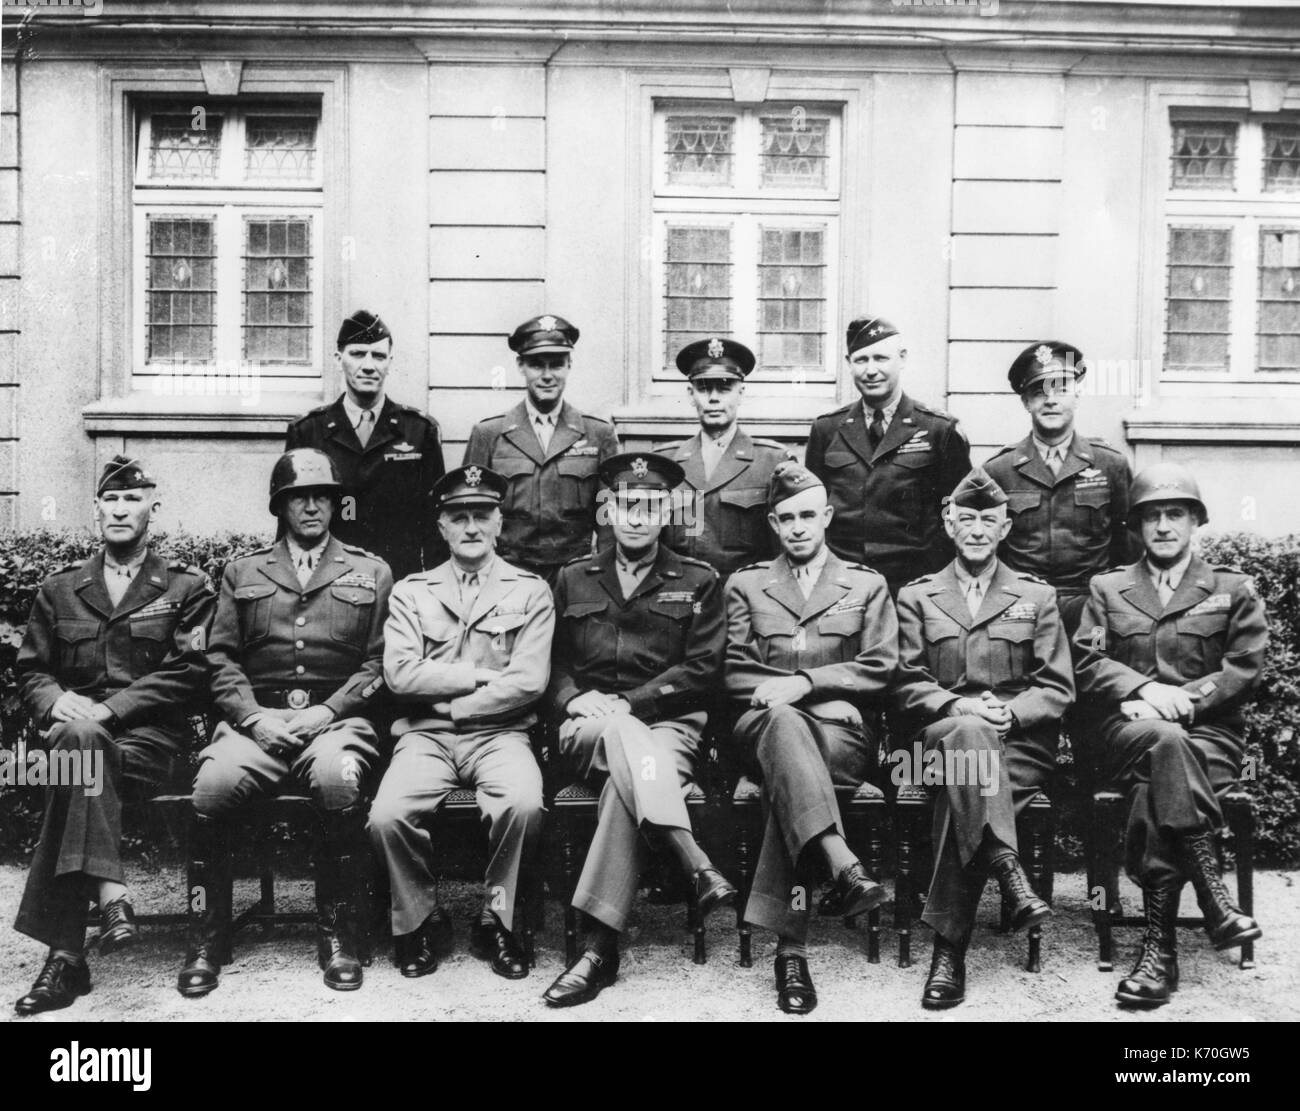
pixel 296 656
pixel 1168 650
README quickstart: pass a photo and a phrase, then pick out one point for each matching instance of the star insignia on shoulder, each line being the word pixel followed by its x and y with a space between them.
pixel 697 608
pixel 715 348
pixel 547 323
pixel 473 476
pixel 640 467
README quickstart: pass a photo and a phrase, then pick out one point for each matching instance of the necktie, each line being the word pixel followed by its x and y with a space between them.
pixel 974 596
pixel 804 577
pixel 876 429
pixel 712 455
pixel 1164 588
pixel 365 426
pixel 306 564
pixel 116 580
pixel 544 430
pixel 1054 460
pixel 469 591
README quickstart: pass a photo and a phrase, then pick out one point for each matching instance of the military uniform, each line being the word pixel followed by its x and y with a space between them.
pixel 388 480
pixel 844 639
pixel 887 501
pixel 1015 647
pixel 143 660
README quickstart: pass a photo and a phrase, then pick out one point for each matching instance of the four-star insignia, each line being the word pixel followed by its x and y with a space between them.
pixel 473 476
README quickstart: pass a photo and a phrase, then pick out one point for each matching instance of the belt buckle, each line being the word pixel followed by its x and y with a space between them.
pixel 298 699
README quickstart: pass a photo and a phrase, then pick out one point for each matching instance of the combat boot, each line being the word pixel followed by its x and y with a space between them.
pixel 210 882
pixel 1226 925
pixel 1155 976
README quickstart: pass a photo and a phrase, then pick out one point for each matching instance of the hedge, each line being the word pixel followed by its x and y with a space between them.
pixel 1272 768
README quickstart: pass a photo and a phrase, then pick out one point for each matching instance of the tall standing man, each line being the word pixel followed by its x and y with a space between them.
pixel 887 462
pixel 638 651
pixel 1168 651
pixel 387 455
pixel 984 677
pixel 548 453
pixel 468 648
pixel 109 665
pixel 295 658
pixel 812 644
pixel 727 472
pixel 1067 493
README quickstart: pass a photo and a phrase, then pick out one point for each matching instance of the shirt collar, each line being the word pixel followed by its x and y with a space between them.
pixel 1043 448
pixel 965 578
pixel 721 444
pixel 1175 573
pixel 534 413
pixel 887 413
pixel 354 410
pixel 637 567
pixel 463 573
pixel 296 550
pixel 813 568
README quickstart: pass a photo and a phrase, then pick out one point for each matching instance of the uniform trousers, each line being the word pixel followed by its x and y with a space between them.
pixel 649 769
pixel 498 764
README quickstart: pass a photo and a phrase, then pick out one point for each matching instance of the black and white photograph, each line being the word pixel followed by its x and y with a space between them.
pixel 620 512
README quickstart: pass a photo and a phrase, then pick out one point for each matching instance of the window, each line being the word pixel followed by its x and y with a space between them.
pixel 746 216
pixel 1232 260
pixel 228 207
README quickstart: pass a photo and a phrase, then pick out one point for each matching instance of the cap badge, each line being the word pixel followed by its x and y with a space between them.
pixel 1043 354
pixel 640 467
pixel 715 348
pixel 473 476
pixel 547 323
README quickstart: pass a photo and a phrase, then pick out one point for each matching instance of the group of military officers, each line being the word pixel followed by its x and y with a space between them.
pixel 635 602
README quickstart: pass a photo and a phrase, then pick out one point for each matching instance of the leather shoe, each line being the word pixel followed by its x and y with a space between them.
pixel 200 973
pixel 795 994
pixel 117 928
pixel 712 890
pixel 497 945
pixel 342 969
pixel 57 985
pixel 415 951
pixel 946 985
pixel 858 892
pixel 583 980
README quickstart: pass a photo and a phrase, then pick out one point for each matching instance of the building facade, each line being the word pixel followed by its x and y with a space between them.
pixel 192 194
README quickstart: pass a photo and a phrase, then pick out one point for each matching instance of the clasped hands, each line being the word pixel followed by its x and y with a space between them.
pixel 989 707
pixel 279 732
pixel 597 704
pixel 1160 700
pixel 71 706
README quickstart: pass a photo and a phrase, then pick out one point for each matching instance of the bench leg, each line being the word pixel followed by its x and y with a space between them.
pixel 903 889
pixel 745 867
pixel 569 864
pixel 1034 962
pixel 1244 836
pixel 695 923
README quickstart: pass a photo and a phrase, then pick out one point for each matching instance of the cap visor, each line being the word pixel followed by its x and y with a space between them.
pixel 545 349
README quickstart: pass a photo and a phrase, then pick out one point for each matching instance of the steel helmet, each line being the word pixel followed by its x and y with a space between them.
pixel 1164 482
pixel 301 469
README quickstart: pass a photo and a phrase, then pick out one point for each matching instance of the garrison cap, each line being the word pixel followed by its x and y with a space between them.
pixel 866 330
pixel 641 470
pixel 363 326
pixel 543 334
pixel 715 358
pixel 1046 359
pixel 789 478
pixel 469 486
pixel 978 491
pixel 123 473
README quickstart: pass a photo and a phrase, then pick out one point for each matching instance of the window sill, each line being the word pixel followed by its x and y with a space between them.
pixel 1216 420
pixel 148 414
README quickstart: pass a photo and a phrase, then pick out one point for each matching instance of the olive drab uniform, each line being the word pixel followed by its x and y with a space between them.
pixel 1209 639
pixel 143 659
pixel 887 502
pixel 1015 647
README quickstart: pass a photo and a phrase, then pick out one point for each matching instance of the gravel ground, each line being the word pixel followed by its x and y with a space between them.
pixel 276 978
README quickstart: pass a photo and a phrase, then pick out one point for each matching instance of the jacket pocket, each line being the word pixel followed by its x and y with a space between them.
pixel 577 484
pixel 1021 501
pixel 78 644
pixel 254 602
pixel 150 639
pixel 1013 648
pixel 350 611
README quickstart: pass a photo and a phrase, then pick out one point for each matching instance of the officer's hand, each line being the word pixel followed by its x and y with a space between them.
pixel 619 705
pixel 1170 702
pixel 781 690
pixel 442 709
pixel 274 737
pixel 71 706
pixel 485 675
pixel 1138 709
pixel 100 712
pixel 307 723
pixel 589 704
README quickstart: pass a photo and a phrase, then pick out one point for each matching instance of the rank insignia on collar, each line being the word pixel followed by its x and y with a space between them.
pixel 715 348
pixel 640 467
pixel 473 476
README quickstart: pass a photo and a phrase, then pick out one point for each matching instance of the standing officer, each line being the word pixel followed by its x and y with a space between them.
pixel 983 679
pixel 726 472
pixel 468 646
pixel 387 455
pixel 112 654
pixel 548 453
pixel 295 657
pixel 638 650
pixel 1067 493
pixel 812 643
pixel 1168 650
pixel 887 462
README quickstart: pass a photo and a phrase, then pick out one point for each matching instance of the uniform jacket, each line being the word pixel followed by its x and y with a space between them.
pixel 1015 647
pixel 550 508
pixel 887 503
pixel 272 635
pixel 142 659
pixel 843 638
pixel 725 523
pixel 1065 528
pixel 389 479
pixel 1209 640
pixel 431 648
pixel 661 649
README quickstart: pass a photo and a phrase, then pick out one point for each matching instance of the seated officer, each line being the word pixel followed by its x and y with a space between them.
pixel 1168 650
pixel 467 647
pixel 295 658
pixel 812 643
pixel 983 680
pixel 112 653
pixel 638 650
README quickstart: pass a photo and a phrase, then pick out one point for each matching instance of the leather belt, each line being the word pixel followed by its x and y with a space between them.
pixel 290 698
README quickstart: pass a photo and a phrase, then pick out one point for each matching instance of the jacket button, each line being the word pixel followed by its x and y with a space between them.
pixel 301 621
pixel 299 644
pixel 299 669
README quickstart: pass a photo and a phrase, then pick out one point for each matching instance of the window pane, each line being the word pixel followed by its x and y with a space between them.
pixel 697 286
pixel 180 290
pixel 699 149
pixel 1200 282
pixel 179 150
pixel 1204 155
pixel 280 148
pixel 1278 330
pixel 1281 157
pixel 795 151
pixel 792 299
pixel 277 290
